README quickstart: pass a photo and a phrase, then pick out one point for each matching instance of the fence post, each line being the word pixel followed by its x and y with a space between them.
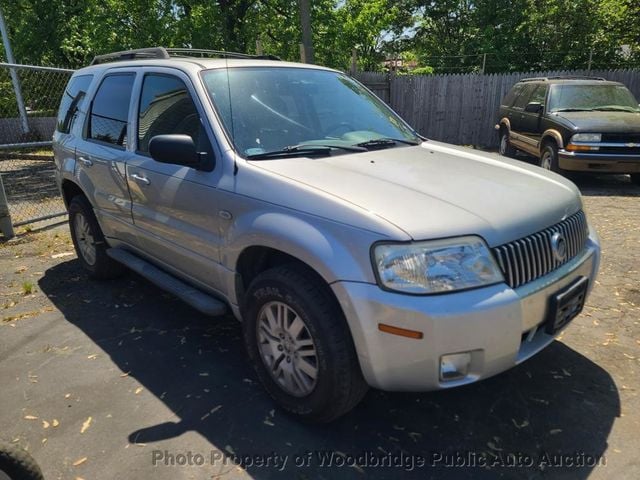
pixel 6 227
pixel 354 62
pixel 14 76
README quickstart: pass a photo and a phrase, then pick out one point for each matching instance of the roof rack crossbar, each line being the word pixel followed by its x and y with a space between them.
pixel 166 53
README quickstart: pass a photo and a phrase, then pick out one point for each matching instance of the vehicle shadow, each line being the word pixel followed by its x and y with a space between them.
pixel 557 407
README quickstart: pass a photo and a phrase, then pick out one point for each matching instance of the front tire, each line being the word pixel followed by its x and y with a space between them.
pixel 549 158
pixel 300 346
pixel 89 241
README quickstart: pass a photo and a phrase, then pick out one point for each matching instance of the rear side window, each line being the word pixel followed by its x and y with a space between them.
pixel 166 107
pixel 72 101
pixel 512 95
pixel 110 109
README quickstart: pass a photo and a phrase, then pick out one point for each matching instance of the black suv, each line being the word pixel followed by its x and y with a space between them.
pixel 573 124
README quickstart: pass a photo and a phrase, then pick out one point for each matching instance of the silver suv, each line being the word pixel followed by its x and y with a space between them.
pixel 355 252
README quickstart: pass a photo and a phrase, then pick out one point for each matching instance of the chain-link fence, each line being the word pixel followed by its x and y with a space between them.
pixel 29 99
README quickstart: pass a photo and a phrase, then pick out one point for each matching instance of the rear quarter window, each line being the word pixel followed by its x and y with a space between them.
pixel 72 101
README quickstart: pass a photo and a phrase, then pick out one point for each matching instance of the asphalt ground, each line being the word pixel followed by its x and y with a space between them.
pixel 119 380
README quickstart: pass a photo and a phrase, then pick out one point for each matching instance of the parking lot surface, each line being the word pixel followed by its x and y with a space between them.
pixel 117 379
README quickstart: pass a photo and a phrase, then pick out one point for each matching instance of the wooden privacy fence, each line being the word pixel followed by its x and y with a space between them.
pixel 463 108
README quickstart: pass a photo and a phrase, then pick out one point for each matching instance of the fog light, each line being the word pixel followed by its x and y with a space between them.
pixel 454 366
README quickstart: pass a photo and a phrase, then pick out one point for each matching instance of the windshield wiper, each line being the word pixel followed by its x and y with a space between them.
pixel 572 110
pixel 384 142
pixel 307 149
pixel 616 109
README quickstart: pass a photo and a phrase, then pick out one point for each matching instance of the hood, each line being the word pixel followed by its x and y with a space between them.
pixel 603 122
pixel 437 190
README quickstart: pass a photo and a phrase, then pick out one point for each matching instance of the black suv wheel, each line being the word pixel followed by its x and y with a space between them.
pixel 300 346
pixel 549 158
pixel 505 149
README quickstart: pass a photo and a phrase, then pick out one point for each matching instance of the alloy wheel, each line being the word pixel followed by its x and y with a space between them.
pixel 287 348
pixel 84 238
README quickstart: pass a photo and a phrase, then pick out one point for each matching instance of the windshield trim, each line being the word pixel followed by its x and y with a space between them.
pixel 201 73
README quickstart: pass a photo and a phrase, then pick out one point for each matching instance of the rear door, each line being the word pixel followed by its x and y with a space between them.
pixel 517 134
pixel 174 206
pixel 101 156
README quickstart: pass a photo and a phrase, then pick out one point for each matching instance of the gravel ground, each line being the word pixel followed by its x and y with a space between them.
pixel 105 380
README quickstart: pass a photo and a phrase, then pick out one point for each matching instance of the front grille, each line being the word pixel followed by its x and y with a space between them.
pixel 532 257
pixel 621 137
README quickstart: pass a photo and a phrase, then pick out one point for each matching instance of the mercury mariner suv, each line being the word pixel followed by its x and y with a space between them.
pixel 355 252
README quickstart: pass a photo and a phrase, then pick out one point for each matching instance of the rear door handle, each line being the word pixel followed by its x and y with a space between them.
pixel 85 161
pixel 140 178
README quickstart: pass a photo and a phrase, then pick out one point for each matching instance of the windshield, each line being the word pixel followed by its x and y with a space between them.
pixel 267 109
pixel 591 97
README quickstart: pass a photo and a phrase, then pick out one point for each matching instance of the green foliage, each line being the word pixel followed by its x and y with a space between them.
pixel 422 71
pixel 448 35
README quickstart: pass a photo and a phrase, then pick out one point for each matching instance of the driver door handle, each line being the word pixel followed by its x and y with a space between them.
pixel 85 161
pixel 140 179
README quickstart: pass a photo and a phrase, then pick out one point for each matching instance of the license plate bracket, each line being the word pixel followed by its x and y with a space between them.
pixel 566 305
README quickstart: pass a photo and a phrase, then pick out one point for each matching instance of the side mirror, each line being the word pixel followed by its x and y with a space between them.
pixel 533 107
pixel 174 149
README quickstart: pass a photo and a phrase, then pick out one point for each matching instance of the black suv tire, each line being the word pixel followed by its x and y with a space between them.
pixel 505 149
pixel 338 385
pixel 549 158
pixel 635 178
pixel 86 235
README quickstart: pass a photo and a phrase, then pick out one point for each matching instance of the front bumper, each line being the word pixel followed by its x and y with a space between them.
pixel 497 324
pixel 598 162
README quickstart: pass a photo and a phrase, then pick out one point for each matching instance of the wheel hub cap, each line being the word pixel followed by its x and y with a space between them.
pixel 85 240
pixel 287 349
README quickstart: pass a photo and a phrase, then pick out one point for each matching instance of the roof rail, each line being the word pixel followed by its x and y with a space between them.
pixel 167 53
pixel 137 54
pixel 199 52
pixel 563 77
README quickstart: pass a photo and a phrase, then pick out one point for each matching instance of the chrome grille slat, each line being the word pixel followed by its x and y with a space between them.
pixel 531 257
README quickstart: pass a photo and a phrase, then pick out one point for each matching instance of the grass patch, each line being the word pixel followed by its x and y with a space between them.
pixel 27 287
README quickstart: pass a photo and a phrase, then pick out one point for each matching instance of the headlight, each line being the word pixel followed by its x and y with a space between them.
pixel 586 137
pixel 435 266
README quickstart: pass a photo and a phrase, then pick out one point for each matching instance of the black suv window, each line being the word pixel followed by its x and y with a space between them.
pixel 72 100
pixel 539 94
pixel 166 107
pixel 513 94
pixel 524 97
pixel 110 109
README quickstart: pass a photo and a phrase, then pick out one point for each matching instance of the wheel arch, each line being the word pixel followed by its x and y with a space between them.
pixel 551 135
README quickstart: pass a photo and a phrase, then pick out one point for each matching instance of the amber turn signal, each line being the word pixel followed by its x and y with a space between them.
pixel 403 332
pixel 572 147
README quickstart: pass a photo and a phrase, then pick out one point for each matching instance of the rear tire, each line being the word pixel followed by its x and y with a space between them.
pixel 300 345
pixel 89 241
pixel 635 178
pixel 505 149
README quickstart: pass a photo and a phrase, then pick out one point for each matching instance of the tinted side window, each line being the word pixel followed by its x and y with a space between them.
pixel 539 94
pixel 512 95
pixel 166 107
pixel 110 109
pixel 524 97
pixel 72 100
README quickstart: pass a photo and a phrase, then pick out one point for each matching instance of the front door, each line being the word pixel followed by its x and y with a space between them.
pixel 174 206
